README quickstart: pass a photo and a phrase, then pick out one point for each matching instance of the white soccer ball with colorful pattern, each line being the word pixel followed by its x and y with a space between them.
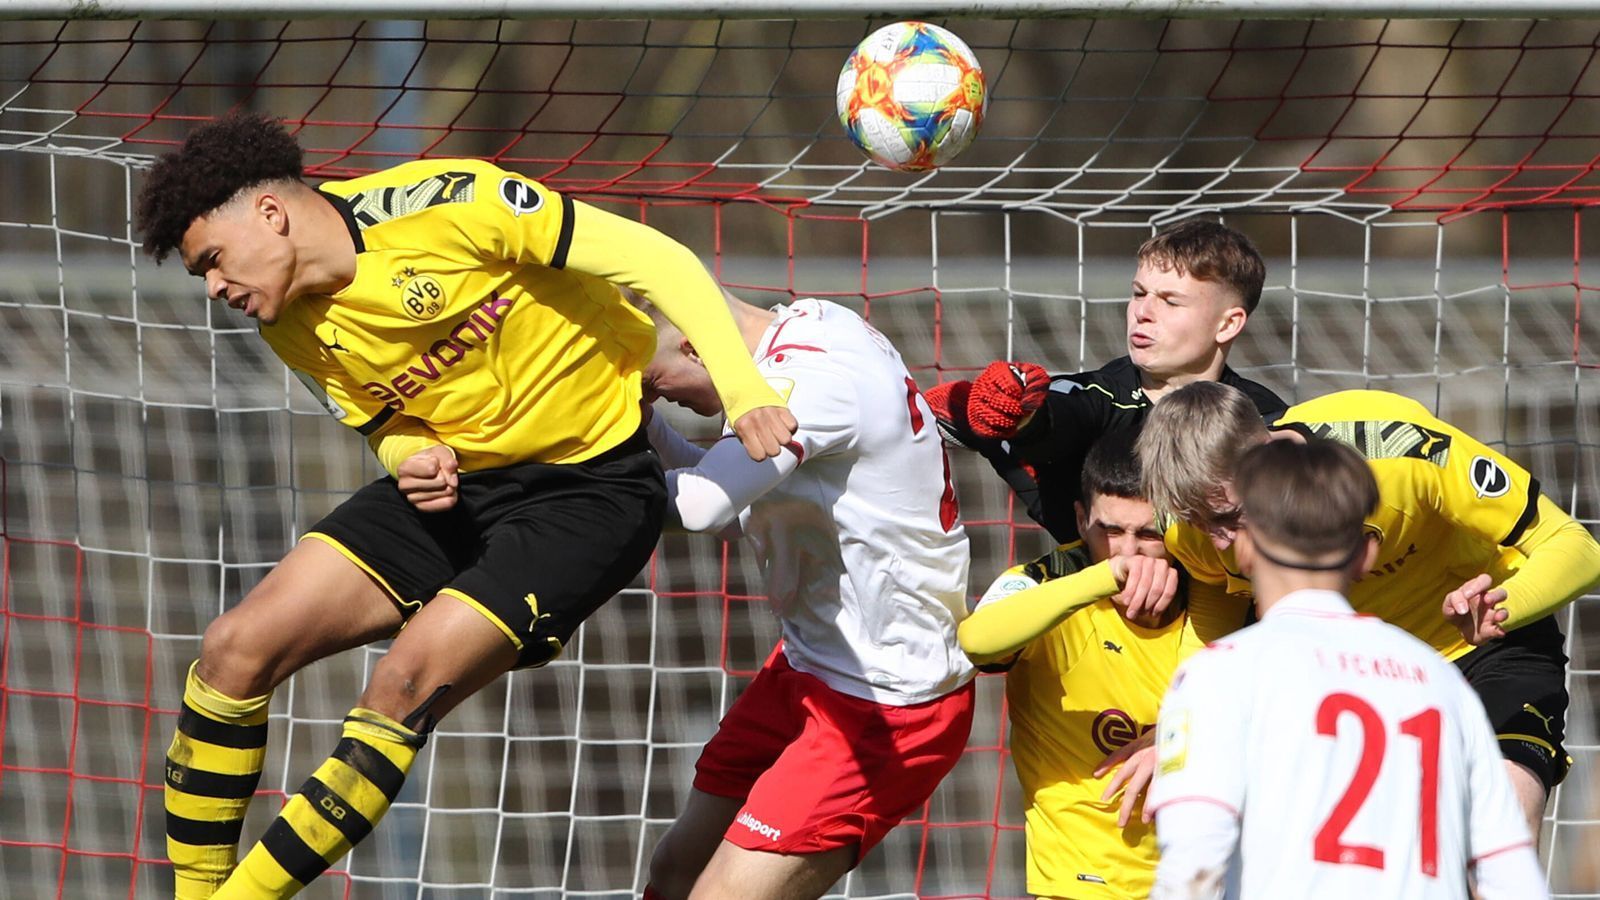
pixel 911 96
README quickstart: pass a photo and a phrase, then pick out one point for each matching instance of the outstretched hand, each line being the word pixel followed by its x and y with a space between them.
pixel 1474 609
pixel 429 478
pixel 765 430
pixel 1137 761
pixel 1004 397
pixel 1149 585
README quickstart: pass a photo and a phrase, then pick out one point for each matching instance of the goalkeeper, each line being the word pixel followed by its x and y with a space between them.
pixel 1196 285
pixel 466 321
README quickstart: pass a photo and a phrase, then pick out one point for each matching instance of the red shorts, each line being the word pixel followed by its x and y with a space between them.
pixel 818 769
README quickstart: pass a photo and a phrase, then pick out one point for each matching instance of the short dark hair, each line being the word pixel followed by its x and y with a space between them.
pixel 1210 251
pixel 1112 468
pixel 1311 499
pixel 217 161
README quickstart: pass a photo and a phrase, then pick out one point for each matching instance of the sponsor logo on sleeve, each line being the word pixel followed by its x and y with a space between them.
pixel 520 196
pixel 1172 743
pixel 1005 586
pixel 784 387
pixel 317 391
pixel 1488 479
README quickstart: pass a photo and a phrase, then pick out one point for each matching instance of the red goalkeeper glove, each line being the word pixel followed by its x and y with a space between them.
pixel 949 404
pixel 1003 396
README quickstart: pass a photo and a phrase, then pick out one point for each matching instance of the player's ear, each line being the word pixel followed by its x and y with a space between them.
pixel 269 206
pixel 1082 514
pixel 687 349
pixel 1231 324
pixel 1367 558
pixel 1244 552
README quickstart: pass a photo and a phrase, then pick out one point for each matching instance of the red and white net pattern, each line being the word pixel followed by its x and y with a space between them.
pixel 1422 191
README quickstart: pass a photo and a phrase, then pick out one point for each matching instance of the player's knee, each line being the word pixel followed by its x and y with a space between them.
pixel 235 659
pixel 402 689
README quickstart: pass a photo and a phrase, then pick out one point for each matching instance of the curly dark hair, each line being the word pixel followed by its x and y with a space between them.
pixel 217 161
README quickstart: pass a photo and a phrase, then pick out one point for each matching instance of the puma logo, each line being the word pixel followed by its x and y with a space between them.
pixel 1112 647
pixel 1529 707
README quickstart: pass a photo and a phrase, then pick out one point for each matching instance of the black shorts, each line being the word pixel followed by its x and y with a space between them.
pixel 535 548
pixel 1522 681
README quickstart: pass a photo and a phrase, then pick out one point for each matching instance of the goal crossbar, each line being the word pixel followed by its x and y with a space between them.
pixel 792 9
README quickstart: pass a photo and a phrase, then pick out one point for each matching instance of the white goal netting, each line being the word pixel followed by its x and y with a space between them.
pixel 1423 192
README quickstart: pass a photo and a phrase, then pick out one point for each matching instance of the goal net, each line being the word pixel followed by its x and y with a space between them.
pixel 1423 191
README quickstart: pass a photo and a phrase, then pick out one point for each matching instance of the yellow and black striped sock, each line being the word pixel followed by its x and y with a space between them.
pixel 213 766
pixel 335 809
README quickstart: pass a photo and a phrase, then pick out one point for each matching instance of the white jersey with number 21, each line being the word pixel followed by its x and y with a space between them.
pixel 1354 761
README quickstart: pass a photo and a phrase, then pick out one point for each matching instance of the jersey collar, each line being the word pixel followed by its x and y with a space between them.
pixel 1314 602
pixel 349 216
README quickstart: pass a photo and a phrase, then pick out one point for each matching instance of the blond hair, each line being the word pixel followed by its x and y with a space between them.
pixel 1190 444
pixel 1311 499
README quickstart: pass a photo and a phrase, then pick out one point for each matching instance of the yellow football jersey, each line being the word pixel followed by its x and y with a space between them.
pixel 1076 693
pixel 1449 508
pixel 465 316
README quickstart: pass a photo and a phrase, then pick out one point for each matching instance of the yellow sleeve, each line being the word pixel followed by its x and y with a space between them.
pixel 998 629
pixel 399 438
pixel 1563 562
pixel 523 221
pixel 669 275
pixel 1479 488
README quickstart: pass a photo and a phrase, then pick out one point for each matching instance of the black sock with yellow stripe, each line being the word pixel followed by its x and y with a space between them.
pixel 335 809
pixel 213 766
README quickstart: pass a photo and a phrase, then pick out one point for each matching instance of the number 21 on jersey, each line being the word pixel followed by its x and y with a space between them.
pixel 1424 727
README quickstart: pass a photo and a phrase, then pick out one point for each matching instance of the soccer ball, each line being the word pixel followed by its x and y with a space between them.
pixel 911 96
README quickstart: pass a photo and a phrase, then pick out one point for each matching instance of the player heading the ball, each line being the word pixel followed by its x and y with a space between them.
pixel 465 321
pixel 867 703
pixel 1327 754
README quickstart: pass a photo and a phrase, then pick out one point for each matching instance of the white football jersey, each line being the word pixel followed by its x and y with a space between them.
pixel 1358 762
pixel 866 556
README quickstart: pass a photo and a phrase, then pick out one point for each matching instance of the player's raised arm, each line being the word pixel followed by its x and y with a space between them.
pixel 1487 493
pixel 1016 609
pixel 1563 563
pixel 670 276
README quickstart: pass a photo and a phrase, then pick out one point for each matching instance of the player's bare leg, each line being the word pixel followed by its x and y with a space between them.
pixel 446 653
pixel 313 604
pixel 687 847
pixel 1531 796
pixel 735 873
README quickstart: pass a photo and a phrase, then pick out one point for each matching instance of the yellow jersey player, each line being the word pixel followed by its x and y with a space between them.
pixel 467 321
pixel 1472 558
pixel 1083 681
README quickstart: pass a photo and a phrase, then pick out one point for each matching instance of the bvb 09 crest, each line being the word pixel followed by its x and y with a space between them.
pixel 421 295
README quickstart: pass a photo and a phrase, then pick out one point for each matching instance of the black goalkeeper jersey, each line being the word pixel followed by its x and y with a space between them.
pixel 1078 410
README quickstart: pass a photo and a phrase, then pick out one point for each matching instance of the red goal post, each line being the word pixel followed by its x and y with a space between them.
pixel 1423 189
